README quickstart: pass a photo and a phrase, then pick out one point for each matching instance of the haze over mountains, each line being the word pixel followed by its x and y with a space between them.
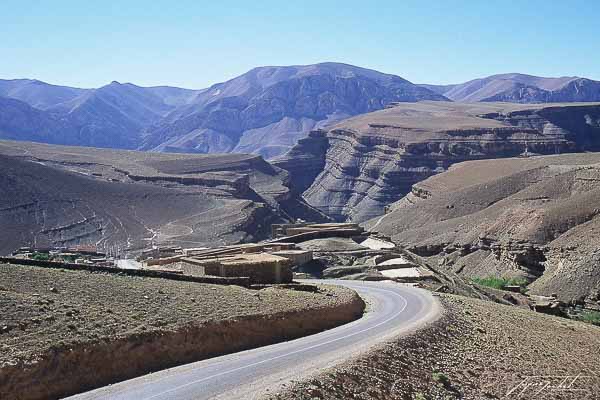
pixel 264 111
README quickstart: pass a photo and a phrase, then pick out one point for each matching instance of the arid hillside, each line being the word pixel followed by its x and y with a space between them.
pixel 62 196
pixel 353 170
pixel 534 218
pixel 66 331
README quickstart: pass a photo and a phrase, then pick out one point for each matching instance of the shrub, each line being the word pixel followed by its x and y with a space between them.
pixel 591 317
pixel 40 256
pixel 440 378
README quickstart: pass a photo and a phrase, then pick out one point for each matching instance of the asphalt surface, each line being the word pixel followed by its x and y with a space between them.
pixel 392 310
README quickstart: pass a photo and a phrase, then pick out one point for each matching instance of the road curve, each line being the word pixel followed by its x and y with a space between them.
pixel 393 309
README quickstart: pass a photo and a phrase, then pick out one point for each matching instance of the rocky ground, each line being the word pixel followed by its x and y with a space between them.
pixel 43 309
pixel 477 350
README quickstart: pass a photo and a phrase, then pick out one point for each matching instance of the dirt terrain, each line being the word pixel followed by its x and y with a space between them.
pixel 73 319
pixel 528 218
pixel 478 350
pixel 42 308
pixel 115 199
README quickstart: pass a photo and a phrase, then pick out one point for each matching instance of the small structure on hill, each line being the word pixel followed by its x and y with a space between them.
pixel 262 263
pixel 261 268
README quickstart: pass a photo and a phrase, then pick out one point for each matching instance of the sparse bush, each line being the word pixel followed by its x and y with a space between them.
pixel 40 256
pixel 591 317
pixel 441 378
pixel 68 259
pixel 500 283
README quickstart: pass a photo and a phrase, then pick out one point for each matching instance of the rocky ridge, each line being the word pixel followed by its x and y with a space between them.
pixel 268 109
pixel 521 88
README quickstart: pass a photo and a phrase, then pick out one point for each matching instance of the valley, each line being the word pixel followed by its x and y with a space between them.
pixel 139 219
pixel 122 201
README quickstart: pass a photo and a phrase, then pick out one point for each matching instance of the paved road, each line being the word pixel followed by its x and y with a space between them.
pixel 392 310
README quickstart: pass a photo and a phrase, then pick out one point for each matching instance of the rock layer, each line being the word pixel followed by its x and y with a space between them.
pixel 370 161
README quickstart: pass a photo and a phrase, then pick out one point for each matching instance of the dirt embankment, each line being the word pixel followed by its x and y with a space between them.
pixel 63 332
pixel 477 350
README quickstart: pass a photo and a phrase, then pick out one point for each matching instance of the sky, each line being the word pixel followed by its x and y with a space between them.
pixel 195 44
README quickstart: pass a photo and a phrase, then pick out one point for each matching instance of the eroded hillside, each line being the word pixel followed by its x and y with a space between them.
pixel 61 196
pixel 355 169
pixel 533 218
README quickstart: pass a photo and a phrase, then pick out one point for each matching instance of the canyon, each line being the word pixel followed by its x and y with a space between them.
pixel 355 169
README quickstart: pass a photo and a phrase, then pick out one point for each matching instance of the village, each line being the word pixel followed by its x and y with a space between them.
pixel 295 251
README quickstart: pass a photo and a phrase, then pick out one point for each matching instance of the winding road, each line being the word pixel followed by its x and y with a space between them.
pixel 392 310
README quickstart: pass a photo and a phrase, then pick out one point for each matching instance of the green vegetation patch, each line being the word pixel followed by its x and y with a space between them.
pixel 500 283
pixel 40 256
pixel 591 317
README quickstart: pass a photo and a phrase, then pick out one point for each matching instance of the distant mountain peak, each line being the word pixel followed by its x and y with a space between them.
pixel 521 88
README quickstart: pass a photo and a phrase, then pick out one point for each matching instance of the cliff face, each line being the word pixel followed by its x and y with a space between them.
pixel 534 218
pixel 370 161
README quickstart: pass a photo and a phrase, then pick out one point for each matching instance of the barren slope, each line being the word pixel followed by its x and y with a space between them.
pixel 64 331
pixel 529 217
pixel 478 350
pixel 56 195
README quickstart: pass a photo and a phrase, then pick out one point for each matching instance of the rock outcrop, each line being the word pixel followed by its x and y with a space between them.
pixel 365 163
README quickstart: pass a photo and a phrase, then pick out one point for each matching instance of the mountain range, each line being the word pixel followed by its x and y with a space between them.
pixel 264 111
pixel 520 88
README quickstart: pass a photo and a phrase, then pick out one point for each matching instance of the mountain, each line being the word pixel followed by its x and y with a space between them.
pixel 112 116
pixel 520 88
pixel 535 218
pixel 37 94
pixel 264 111
pixel 267 109
pixel 354 169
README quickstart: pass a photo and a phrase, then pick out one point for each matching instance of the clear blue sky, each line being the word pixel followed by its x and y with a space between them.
pixel 197 43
